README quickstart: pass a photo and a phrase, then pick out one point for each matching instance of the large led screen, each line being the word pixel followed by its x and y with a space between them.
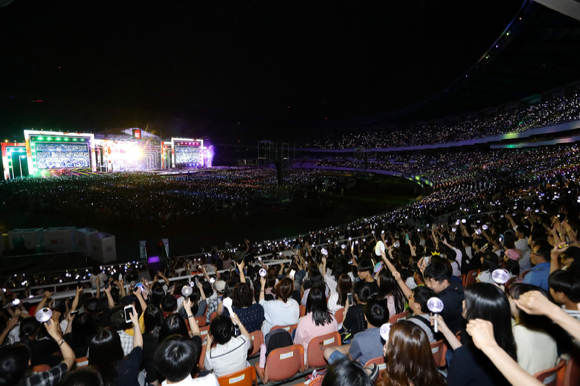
pixel 62 155
pixel 188 155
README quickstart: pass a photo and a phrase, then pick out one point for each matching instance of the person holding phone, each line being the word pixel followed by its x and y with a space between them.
pixel 15 359
pixel 106 353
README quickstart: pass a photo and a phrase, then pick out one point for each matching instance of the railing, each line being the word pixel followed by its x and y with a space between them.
pixel 72 293
pixel 54 287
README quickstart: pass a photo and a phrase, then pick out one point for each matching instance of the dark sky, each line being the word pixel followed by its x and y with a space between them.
pixel 182 65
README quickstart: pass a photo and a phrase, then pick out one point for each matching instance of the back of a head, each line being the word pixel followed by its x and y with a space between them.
pixel 153 318
pixel 221 329
pixel 316 304
pixel 116 319
pixel 438 272
pixel 28 327
pixel 157 294
pixel 284 289
pixel 168 303
pixel 488 302
pixel 409 356
pixel 242 296
pixel 529 321
pixel 84 328
pixel 377 312
pixel 363 291
pixel 105 350
pixel 13 363
pixel 344 286
pixel 346 373
pixel 87 376
pixel 92 306
pixel 173 325
pixel 567 282
pixel 316 279
pixel 176 358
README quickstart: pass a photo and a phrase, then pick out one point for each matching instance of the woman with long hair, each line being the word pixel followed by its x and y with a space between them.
pixel 83 328
pixel 318 320
pixel 106 354
pixel 390 290
pixel 284 311
pixel 315 280
pixel 469 365
pixel 338 298
pixel 153 320
pixel 537 350
pixel 409 358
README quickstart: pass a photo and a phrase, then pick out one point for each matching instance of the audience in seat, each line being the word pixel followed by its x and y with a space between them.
pixel 418 306
pixel 536 349
pixel 231 352
pixel 338 298
pixel 15 360
pixel 565 289
pixel 176 360
pixel 354 316
pixel 250 314
pixel 539 274
pixel 366 345
pixel 469 365
pixel 106 354
pixel 318 320
pixel 409 358
pixel 283 311
pixel 438 278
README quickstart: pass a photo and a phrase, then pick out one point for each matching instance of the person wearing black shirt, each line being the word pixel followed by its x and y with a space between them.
pixel 365 270
pixel 354 319
pixel 438 277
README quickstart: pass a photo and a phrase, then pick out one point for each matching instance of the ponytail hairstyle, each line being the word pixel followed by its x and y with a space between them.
pixel 28 329
pixel 284 289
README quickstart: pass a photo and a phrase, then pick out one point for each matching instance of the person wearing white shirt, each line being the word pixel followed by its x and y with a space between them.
pixel 284 311
pixel 230 354
pixel 537 350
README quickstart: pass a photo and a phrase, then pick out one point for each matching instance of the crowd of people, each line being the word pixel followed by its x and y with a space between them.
pixel 150 198
pixel 552 111
pixel 515 211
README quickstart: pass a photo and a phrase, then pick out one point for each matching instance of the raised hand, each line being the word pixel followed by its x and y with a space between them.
pixel 482 333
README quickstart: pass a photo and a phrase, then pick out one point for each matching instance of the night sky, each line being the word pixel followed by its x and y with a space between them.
pixel 199 67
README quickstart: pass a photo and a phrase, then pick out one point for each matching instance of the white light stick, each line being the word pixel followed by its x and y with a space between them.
pixel 186 291
pixel 435 305
pixel 262 272
pixel 227 302
pixel 500 276
pixel 44 315
pixel 385 331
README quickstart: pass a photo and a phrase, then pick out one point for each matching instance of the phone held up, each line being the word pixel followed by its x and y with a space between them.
pixel 349 299
pixel 128 310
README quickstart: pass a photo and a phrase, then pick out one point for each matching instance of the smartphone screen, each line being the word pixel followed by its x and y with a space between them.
pixel 128 310
pixel 349 299
pixel 292 273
